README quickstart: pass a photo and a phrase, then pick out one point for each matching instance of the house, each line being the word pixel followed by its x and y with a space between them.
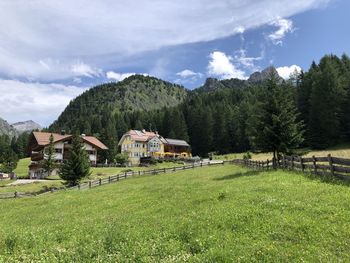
pixel 39 141
pixel 139 144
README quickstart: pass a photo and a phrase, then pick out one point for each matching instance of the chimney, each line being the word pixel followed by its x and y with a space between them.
pixel 63 132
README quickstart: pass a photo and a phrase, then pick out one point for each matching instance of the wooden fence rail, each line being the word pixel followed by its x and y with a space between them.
pixel 330 166
pixel 115 178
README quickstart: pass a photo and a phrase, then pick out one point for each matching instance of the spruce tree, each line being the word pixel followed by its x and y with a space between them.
pixel 8 161
pixel 274 126
pixel 77 166
pixel 49 163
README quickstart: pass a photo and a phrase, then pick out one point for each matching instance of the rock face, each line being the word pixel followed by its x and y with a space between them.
pixel 26 126
pixel 212 84
pixel 6 128
pixel 258 77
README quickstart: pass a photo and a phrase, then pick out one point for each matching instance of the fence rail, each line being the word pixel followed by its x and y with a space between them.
pixel 329 165
pixel 115 178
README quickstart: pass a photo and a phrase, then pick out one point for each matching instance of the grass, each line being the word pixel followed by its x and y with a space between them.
pixel 30 188
pixel 22 168
pixel 55 181
pixel 342 151
pixel 212 214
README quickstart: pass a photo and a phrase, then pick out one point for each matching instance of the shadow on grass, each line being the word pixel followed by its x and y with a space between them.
pixel 238 175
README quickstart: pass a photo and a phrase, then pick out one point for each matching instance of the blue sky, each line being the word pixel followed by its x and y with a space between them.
pixel 52 52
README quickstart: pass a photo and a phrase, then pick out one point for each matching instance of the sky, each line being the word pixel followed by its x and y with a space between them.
pixel 52 51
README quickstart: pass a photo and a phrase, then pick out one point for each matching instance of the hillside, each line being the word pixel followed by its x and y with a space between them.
pixel 6 128
pixel 142 93
pixel 214 214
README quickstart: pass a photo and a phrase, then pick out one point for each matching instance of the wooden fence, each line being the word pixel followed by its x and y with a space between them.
pixel 329 165
pixel 114 178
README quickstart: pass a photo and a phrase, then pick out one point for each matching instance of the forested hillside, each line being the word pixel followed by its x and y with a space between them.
pixel 219 116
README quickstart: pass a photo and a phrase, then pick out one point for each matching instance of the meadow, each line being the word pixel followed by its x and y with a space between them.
pixel 212 214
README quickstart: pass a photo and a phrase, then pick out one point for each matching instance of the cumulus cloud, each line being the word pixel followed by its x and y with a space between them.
pixel 284 26
pixel 286 71
pixel 115 76
pixel 35 101
pixel 64 31
pixel 221 66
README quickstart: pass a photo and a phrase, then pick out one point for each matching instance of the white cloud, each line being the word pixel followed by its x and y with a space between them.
pixel 284 26
pixel 248 62
pixel 121 76
pixel 42 39
pixel 286 71
pixel 187 73
pixel 82 69
pixel 221 66
pixel 34 101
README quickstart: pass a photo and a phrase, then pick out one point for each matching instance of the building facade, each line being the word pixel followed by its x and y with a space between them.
pixel 39 141
pixel 139 144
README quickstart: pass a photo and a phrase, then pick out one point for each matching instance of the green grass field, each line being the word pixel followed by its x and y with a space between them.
pixel 22 168
pixel 212 214
pixel 342 151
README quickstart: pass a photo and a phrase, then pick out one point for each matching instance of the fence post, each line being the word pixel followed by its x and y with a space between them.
pixel 109 179
pixel 126 174
pixel 301 163
pixel 331 164
pixel 284 161
pixel 78 186
pixel 100 181
pixel 89 184
pixel 174 168
pixel 118 177
pixel 16 194
pixel 139 173
pixel 314 163
pixel 201 164
pixel 292 163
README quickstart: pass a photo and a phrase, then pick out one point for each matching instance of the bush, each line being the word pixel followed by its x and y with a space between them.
pixel 121 158
pixel 247 156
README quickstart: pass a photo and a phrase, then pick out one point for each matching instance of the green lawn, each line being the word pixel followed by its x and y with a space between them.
pixel 342 151
pixel 212 214
pixel 22 168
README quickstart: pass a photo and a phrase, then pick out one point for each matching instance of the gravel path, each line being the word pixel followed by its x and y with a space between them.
pixel 26 181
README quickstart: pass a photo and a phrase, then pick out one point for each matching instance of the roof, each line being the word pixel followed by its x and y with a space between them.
pixel 176 142
pixel 94 141
pixel 43 139
pixel 140 136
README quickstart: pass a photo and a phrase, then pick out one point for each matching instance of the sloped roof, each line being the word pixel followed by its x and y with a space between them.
pixel 141 136
pixel 94 141
pixel 176 142
pixel 43 139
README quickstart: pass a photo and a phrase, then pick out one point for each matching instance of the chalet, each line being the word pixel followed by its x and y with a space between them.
pixel 138 144
pixel 39 141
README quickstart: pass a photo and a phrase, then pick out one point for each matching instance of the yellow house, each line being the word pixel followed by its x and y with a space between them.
pixel 137 144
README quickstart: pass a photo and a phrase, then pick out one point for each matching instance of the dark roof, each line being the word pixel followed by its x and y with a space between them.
pixel 176 142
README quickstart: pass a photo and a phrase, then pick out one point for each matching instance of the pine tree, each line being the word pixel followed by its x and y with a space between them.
pixel 49 163
pixel 274 126
pixel 8 161
pixel 77 166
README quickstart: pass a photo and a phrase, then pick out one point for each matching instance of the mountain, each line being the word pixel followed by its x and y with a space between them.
pixel 212 84
pixel 258 77
pixel 7 129
pixel 135 93
pixel 26 126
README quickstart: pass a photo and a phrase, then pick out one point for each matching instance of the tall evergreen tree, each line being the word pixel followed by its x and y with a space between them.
pixel 77 166
pixel 49 163
pixel 274 126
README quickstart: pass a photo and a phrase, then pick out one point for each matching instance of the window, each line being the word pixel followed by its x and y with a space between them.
pixel 58 150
